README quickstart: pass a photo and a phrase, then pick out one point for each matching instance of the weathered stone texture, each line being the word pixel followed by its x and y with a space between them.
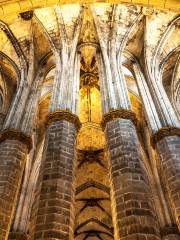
pixel 134 216
pixel 171 237
pixel 12 159
pixel 169 152
pixel 18 236
pixel 2 116
pixel 170 233
pixel 54 216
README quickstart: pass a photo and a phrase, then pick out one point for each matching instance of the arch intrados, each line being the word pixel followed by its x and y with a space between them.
pixel 11 63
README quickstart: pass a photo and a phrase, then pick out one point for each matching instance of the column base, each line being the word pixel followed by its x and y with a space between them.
pixel 18 236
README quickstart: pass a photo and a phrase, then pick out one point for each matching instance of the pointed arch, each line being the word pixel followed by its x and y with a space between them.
pixel 160 46
pixel 14 65
pixel 5 28
pixel 45 32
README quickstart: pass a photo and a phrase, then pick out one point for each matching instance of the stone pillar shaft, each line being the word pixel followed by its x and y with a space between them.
pixel 166 140
pixel 54 216
pixel 149 107
pixel 12 161
pixel 133 212
pixel 169 152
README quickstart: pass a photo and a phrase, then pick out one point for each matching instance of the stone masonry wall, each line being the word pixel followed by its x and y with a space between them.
pixel 134 216
pixel 169 152
pixel 12 159
pixel 55 215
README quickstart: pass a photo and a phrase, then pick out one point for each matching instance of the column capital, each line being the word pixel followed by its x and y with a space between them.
pixel 63 115
pixel 13 134
pixel 164 132
pixel 118 113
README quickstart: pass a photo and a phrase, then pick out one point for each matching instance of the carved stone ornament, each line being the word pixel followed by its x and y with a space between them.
pixel 118 113
pixel 12 134
pixel 164 132
pixel 88 80
pixel 27 15
pixel 63 115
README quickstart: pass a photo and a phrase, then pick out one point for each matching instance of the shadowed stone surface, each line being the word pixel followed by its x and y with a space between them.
pixel 132 204
pixel 169 152
pixel 55 215
pixel 18 236
pixel 12 159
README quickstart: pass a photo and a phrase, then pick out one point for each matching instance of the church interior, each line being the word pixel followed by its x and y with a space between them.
pixel 90 120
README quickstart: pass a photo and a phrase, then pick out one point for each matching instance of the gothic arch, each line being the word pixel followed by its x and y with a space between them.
pixel 45 32
pixel 4 27
pixel 10 76
pixel 161 44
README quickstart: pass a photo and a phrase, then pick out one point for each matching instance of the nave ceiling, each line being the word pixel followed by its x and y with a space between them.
pixel 137 28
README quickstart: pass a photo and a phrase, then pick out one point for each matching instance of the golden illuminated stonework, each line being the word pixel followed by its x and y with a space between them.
pixel 164 132
pixel 90 82
pixel 63 115
pixel 118 113
pixel 12 134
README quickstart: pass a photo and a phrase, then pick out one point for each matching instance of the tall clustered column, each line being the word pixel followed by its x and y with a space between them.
pixel 169 160
pixel 14 147
pixel 53 211
pixel 166 139
pixel 54 216
pixel 134 216
pixel 18 228
pixel 15 143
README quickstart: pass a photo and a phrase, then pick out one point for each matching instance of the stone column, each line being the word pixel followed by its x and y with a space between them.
pixel 166 140
pixel 27 126
pixel 14 146
pixel 54 217
pixel 134 216
pixel 167 143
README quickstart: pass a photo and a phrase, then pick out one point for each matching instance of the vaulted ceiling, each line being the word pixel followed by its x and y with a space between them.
pixel 34 38
pixel 138 29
